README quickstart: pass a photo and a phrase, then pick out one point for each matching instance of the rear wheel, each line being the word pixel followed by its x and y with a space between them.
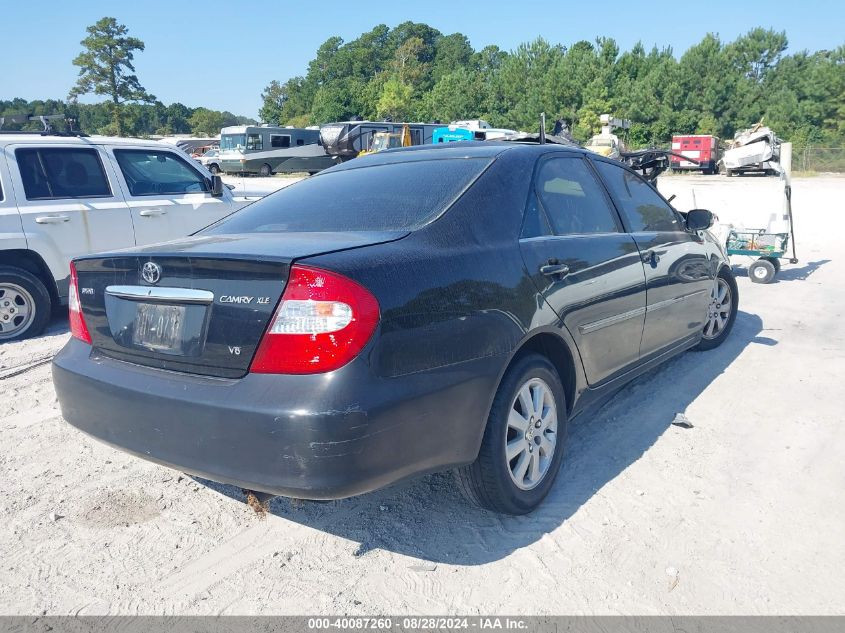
pixel 762 271
pixel 24 304
pixel 523 443
pixel 721 311
pixel 265 170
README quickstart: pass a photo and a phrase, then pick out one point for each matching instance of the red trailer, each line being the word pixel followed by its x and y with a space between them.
pixel 703 148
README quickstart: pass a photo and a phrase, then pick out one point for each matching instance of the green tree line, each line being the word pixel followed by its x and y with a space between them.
pixel 415 72
pixel 137 119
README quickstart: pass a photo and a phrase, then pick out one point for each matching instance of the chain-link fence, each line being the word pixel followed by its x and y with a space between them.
pixel 818 159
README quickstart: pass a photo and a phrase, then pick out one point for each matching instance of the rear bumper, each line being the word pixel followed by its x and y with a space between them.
pixel 314 437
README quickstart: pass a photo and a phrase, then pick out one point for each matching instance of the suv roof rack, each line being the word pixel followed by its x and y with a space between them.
pixel 45 119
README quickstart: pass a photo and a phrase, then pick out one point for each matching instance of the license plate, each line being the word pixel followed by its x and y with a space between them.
pixel 159 327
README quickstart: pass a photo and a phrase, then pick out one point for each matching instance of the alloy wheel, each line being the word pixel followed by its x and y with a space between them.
pixel 531 434
pixel 719 310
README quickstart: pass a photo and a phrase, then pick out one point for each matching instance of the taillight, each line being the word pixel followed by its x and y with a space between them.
pixel 323 321
pixel 78 329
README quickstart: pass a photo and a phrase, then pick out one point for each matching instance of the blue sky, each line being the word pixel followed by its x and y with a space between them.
pixel 222 54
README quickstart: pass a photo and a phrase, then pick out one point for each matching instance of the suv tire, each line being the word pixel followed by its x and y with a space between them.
pixel 25 304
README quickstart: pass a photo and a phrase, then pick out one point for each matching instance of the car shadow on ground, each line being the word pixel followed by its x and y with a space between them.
pixel 790 272
pixel 428 519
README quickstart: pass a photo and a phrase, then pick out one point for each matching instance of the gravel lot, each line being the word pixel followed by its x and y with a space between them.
pixel 741 514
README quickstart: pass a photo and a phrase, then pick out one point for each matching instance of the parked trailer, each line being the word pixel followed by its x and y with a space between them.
pixel 189 144
pixel 266 150
pixel 472 130
pixel 703 148
pixel 346 139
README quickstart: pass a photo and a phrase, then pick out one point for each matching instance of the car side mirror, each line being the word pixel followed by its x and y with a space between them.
pixel 216 186
pixel 699 219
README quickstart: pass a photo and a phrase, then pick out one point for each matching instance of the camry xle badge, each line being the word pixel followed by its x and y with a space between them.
pixel 151 272
pixel 244 299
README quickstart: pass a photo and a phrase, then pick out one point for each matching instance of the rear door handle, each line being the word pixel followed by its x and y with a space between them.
pixel 151 213
pixel 553 269
pixel 650 257
pixel 51 219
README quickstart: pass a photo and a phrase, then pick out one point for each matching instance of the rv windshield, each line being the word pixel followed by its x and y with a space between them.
pixel 232 141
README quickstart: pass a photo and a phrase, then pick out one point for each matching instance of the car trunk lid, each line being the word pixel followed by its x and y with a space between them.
pixel 199 305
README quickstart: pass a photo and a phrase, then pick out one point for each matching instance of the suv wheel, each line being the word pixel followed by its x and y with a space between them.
pixel 265 170
pixel 24 304
pixel 721 311
pixel 523 442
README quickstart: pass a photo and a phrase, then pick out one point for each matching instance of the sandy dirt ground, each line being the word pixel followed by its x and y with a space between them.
pixel 741 514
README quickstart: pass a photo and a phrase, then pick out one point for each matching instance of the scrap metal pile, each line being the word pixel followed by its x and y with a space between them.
pixel 755 149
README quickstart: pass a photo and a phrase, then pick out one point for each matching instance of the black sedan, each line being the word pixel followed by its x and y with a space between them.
pixel 411 311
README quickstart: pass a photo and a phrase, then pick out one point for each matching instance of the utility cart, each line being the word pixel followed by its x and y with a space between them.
pixel 767 247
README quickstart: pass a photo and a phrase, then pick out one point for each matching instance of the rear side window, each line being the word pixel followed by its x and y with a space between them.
pixel 151 172
pixel 279 140
pixel 535 223
pixel 52 173
pixel 390 197
pixel 572 198
pixel 643 208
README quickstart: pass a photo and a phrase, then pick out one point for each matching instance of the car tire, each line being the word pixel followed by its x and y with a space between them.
pixel 25 304
pixel 519 484
pixel 721 312
pixel 762 271
pixel 265 171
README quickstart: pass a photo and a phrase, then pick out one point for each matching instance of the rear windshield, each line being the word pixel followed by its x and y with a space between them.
pixel 391 197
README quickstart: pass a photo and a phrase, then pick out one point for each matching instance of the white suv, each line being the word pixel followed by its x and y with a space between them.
pixel 63 196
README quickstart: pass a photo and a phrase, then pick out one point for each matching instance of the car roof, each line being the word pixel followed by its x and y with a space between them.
pixel 459 149
pixel 82 141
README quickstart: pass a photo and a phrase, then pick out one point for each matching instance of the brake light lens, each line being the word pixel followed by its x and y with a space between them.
pixel 78 329
pixel 323 321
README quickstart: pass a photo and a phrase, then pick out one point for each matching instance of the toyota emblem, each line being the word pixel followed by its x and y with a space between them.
pixel 151 272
